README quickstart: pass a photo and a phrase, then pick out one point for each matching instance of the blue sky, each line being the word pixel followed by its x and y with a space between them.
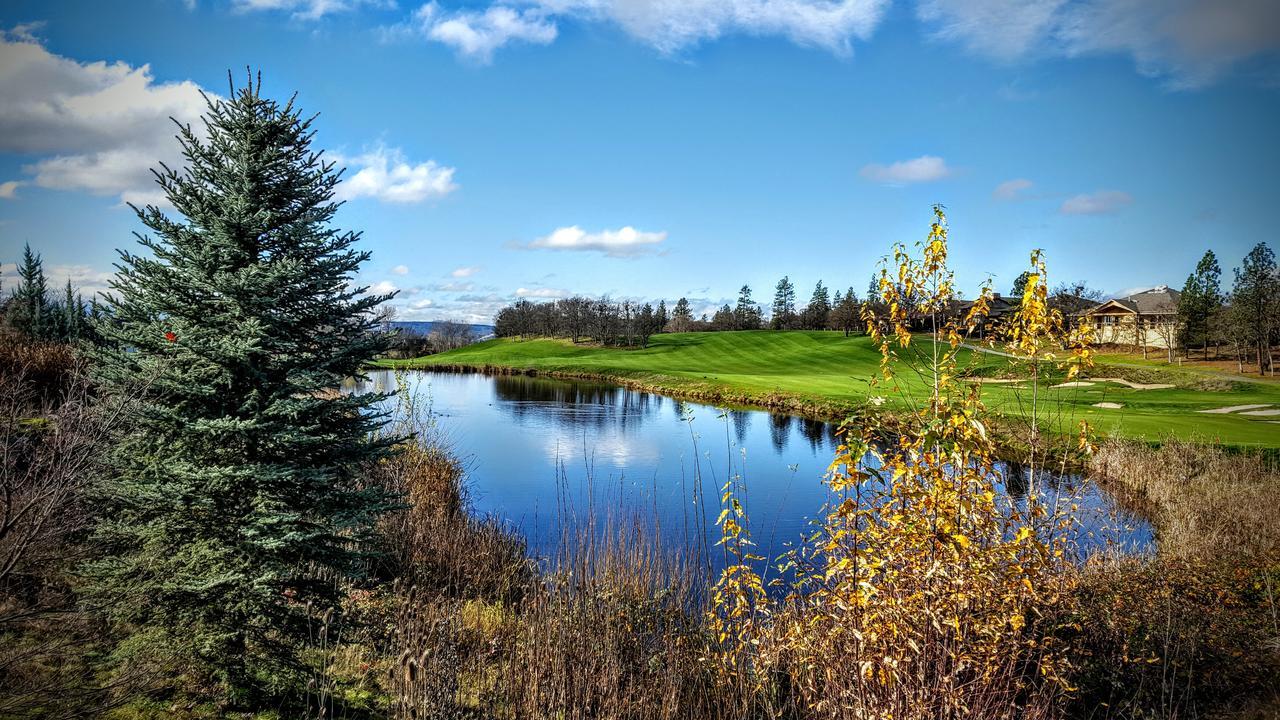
pixel 651 149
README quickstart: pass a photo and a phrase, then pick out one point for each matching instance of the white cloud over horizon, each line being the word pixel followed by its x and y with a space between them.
pixel 86 280
pixel 926 168
pixel 465 271
pixel 625 242
pixel 1101 202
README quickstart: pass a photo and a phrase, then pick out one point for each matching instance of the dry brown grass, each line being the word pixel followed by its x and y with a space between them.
pixel 1206 502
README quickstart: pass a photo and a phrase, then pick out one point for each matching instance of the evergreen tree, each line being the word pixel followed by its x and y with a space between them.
pixel 234 503
pixel 681 316
pixel 873 291
pixel 845 313
pixel 1201 297
pixel 724 319
pixel 746 315
pixel 1020 284
pixel 30 311
pixel 660 318
pixel 819 307
pixel 784 305
pixel 1255 302
pixel 682 310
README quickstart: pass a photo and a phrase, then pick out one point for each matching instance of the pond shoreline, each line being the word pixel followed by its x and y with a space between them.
pixel 1003 431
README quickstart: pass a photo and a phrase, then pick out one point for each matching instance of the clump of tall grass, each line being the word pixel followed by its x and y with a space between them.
pixel 1206 502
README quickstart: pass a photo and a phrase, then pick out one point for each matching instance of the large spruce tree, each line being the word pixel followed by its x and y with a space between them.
pixel 235 501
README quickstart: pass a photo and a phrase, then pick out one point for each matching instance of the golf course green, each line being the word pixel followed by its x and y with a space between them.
pixel 825 374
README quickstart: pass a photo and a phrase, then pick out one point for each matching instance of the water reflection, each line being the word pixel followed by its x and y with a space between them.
pixel 546 453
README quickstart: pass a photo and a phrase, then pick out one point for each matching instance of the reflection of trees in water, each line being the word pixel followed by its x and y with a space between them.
pixel 741 423
pixel 581 405
pixel 818 433
pixel 780 431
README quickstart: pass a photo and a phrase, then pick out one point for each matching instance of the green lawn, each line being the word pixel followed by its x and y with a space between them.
pixel 827 374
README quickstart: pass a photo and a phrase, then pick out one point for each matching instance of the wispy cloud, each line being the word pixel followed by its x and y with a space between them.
pixel 1189 43
pixel 541 293
pixel 1096 203
pixel 305 9
pixel 9 190
pixel 400 270
pixel 669 27
pixel 926 168
pixel 465 271
pixel 626 242
pixel 1011 189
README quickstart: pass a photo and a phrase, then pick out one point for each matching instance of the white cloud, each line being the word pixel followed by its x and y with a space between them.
pixel 926 168
pixel 1097 203
pixel 669 26
pixel 422 304
pixel 475 35
pixel 1190 43
pixel 465 271
pixel 101 126
pixel 400 270
pixel 1011 189
pixel 384 287
pixel 85 280
pixel 9 190
pixel 542 293
pixel 621 243
pixel 452 287
pixel 384 174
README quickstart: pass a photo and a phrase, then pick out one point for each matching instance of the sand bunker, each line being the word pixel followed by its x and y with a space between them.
pixel 1108 405
pixel 994 380
pixel 1118 381
pixel 1262 413
pixel 1234 408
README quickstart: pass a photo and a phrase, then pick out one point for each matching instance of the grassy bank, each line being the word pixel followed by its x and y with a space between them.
pixel 824 374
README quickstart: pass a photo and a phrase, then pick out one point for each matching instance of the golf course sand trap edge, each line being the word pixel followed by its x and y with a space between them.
pixel 1108 405
pixel 1262 413
pixel 1234 408
pixel 1118 381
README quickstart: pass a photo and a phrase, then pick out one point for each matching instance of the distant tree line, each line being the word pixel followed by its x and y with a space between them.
pixel 628 323
pixel 37 312
pixel 445 335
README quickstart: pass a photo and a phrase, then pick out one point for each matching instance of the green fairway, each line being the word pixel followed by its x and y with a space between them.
pixel 827 374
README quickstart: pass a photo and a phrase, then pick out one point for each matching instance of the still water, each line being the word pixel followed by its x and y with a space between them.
pixel 544 454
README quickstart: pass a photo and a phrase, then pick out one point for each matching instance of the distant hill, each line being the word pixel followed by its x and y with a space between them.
pixel 425 328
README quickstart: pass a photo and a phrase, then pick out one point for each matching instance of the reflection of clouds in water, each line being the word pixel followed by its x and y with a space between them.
pixel 620 448
pixel 577 452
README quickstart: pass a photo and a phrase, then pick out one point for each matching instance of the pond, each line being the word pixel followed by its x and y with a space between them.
pixel 545 454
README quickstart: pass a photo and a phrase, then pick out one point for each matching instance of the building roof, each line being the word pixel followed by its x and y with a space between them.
pixel 1160 300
